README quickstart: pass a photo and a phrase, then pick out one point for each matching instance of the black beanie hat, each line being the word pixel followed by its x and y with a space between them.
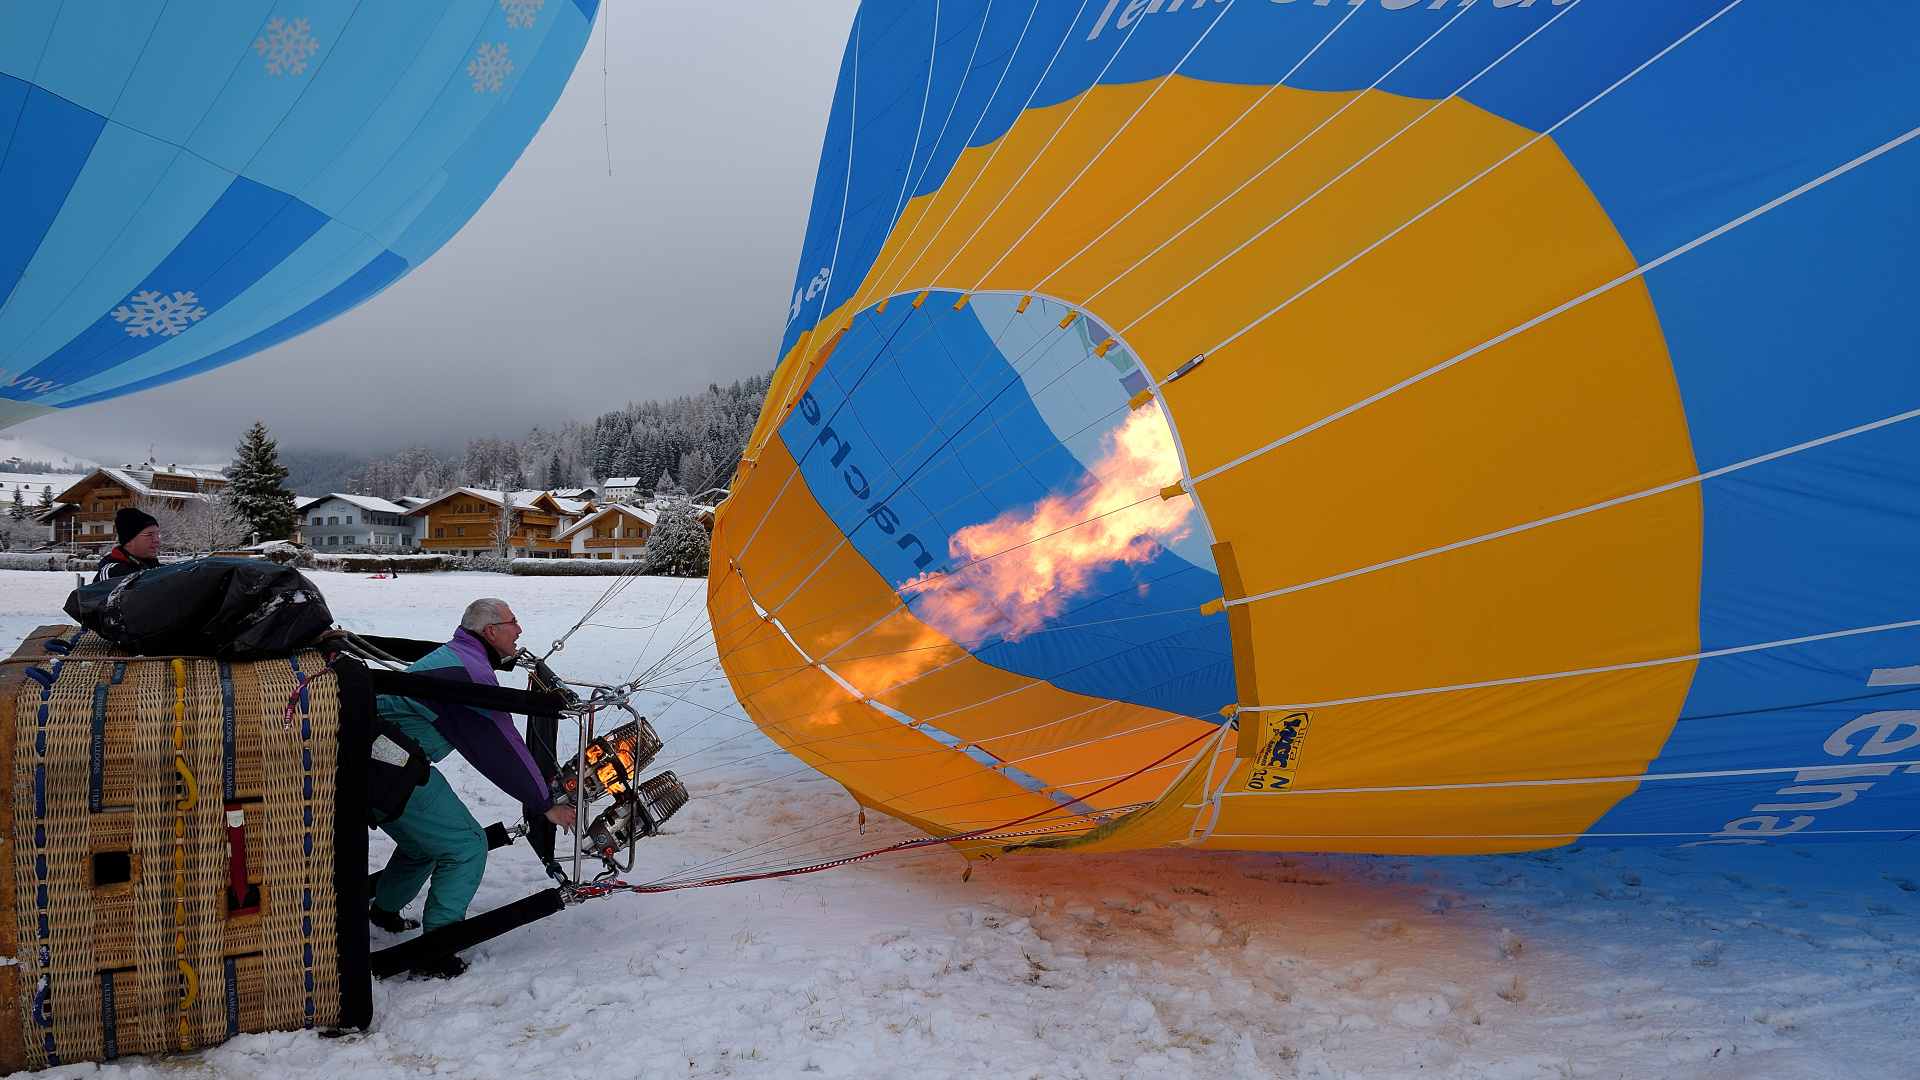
pixel 131 522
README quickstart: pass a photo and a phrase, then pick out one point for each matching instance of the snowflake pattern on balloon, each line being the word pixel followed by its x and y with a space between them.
pixel 147 313
pixel 490 68
pixel 286 46
pixel 520 13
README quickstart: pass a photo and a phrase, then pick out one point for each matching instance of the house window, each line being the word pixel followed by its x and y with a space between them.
pixel 333 541
pixel 439 534
pixel 333 521
pixel 318 521
pixel 348 520
pixel 461 531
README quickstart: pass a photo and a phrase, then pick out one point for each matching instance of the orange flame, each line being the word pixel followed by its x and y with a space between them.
pixel 1021 569
pixel 896 652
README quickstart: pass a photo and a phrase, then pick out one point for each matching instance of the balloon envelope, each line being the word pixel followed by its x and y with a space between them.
pixel 1384 426
pixel 182 185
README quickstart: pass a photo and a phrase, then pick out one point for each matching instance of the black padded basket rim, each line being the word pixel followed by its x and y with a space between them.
pixel 357 712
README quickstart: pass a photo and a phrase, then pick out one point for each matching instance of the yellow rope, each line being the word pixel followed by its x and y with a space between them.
pixel 191 992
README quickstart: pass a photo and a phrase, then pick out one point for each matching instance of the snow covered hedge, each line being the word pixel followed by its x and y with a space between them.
pixel 46 560
pixel 485 564
pixel 574 567
pixel 377 564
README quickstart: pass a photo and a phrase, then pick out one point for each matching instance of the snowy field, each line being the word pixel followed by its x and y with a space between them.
pixel 1787 962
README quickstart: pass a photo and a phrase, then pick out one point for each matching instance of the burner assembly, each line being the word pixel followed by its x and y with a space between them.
pixel 606 767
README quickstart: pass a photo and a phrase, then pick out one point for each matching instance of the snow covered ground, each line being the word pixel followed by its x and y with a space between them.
pixel 1788 962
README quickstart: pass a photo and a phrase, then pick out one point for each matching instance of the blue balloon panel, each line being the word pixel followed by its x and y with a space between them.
pixel 193 183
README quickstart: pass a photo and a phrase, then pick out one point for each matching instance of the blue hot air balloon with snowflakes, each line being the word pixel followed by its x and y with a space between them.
pixel 185 184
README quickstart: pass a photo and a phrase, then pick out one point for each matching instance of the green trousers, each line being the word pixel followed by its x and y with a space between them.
pixel 435 837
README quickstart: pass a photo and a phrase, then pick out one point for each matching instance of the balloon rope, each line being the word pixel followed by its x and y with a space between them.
pixel 1698 478
pixel 1322 189
pixel 606 33
pixel 1508 53
pixel 998 832
pixel 993 97
pixel 1080 100
pixel 1176 174
pixel 1431 37
pixel 1632 275
pixel 1449 196
pixel 1632 666
pixel 999 144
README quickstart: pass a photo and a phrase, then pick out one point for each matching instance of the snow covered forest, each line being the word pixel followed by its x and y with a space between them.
pixel 696 440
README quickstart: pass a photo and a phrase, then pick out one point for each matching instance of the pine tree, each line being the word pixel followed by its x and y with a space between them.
pixel 255 485
pixel 18 511
pixel 679 544
pixel 46 497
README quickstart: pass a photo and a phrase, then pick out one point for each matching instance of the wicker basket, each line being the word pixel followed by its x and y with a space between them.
pixel 124 771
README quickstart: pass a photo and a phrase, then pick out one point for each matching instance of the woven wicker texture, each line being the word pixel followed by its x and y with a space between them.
pixel 161 943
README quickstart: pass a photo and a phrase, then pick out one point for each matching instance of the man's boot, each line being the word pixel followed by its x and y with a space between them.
pixel 391 921
pixel 449 966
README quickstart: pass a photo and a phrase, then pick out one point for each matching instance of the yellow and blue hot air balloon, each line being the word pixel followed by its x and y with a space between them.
pixel 1378 425
pixel 185 184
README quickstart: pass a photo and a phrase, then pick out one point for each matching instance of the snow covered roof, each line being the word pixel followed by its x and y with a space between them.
pixel 623 481
pixel 583 494
pixel 573 507
pixel 524 499
pixel 151 468
pixel 637 513
pixel 301 502
pixel 368 502
pixel 141 480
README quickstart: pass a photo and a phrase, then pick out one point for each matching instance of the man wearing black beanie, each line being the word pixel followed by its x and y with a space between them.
pixel 139 547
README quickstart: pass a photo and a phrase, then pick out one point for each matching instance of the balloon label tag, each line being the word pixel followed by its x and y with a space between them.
pixel 1279 755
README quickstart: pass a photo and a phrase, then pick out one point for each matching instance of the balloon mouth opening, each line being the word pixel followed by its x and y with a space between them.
pixel 1118 510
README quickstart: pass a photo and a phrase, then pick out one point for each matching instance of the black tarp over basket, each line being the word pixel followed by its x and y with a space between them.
pixel 233 609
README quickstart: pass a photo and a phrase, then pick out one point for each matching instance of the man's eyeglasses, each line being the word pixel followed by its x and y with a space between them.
pixel 509 622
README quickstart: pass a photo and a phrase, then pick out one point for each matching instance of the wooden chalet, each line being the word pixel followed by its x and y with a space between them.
pixel 463 522
pixel 85 516
pixel 615 531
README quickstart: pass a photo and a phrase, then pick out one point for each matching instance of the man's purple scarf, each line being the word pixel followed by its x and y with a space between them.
pixel 477 659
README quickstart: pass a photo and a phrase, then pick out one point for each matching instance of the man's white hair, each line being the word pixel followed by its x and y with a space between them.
pixel 482 613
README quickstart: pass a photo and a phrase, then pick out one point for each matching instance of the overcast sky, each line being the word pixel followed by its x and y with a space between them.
pixel 570 292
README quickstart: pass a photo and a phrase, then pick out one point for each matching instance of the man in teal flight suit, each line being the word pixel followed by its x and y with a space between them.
pixel 435 837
